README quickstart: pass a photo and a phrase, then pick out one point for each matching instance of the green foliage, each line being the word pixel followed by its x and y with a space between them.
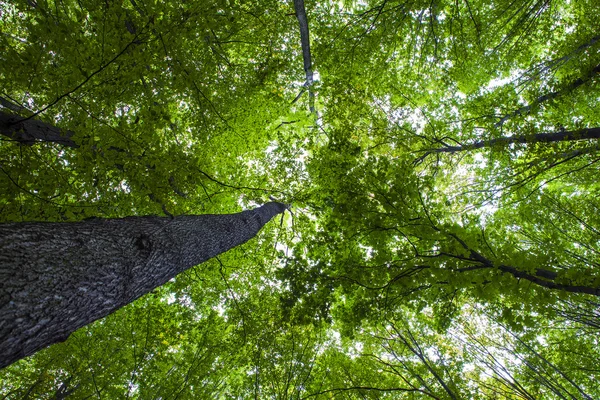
pixel 425 256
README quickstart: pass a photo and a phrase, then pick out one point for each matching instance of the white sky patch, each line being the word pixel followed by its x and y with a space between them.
pixel 124 186
pixel 333 340
pixel 401 114
pixel 498 82
pixel 466 175
pixel 368 251
pixel 356 350
pixel 220 309
pixel 170 298
pixel 132 387
pixel 432 354
pixel 272 147
pixel 417 121
pixel 122 110
pixel 485 211
pixel 186 301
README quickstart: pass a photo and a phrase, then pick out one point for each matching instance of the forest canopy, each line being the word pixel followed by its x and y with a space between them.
pixel 440 159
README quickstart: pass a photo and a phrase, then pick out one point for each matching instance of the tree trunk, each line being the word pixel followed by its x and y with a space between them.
pixel 31 131
pixel 563 136
pixel 58 277
pixel 306 55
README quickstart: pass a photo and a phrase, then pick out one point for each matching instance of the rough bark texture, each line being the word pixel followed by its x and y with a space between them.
pixel 30 131
pixel 58 277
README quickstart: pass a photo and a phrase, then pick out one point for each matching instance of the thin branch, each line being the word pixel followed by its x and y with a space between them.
pixel 546 137
pixel 549 96
pixel 86 80
pixel 238 187
pixel 542 277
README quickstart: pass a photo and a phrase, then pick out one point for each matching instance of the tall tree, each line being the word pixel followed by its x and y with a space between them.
pixel 58 277
pixel 473 273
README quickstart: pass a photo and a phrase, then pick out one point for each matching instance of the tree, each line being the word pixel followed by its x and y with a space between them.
pixel 469 272
pixel 58 277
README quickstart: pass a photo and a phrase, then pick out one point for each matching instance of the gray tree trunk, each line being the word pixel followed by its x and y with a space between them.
pixel 31 131
pixel 58 277
pixel 562 136
pixel 306 55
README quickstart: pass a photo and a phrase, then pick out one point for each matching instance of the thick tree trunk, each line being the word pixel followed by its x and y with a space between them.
pixel 58 277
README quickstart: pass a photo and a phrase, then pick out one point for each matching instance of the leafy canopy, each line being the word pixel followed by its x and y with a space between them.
pixel 444 235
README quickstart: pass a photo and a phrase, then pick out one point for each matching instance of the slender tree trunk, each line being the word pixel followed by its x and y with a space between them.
pixel 306 55
pixel 583 134
pixel 550 96
pixel 31 131
pixel 58 277
pixel 542 277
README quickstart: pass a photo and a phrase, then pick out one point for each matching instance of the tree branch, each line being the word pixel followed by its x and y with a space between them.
pixel 30 131
pixel 542 277
pixel 549 96
pixel 62 96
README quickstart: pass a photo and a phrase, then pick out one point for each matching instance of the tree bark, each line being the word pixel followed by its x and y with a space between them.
pixel 58 277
